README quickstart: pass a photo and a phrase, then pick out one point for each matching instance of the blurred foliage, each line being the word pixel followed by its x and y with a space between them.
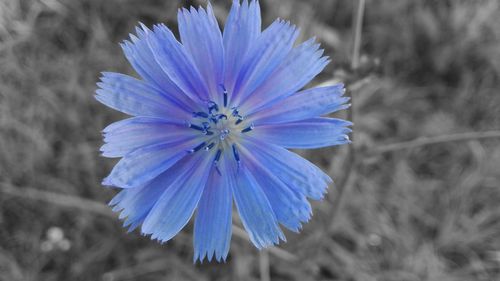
pixel 430 213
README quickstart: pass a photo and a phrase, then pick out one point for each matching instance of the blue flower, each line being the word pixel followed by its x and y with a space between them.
pixel 213 117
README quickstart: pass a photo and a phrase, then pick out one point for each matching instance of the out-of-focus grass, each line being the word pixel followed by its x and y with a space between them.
pixel 430 213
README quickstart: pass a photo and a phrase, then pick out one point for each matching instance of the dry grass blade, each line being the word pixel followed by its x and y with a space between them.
pixel 434 140
pixel 265 275
pixel 358 26
pixel 57 199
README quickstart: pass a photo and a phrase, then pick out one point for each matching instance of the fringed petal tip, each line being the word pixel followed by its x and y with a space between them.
pixel 272 243
pixel 205 256
pixel 107 182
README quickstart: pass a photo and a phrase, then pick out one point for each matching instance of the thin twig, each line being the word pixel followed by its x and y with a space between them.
pixel 423 141
pixel 58 199
pixel 265 274
pixel 358 25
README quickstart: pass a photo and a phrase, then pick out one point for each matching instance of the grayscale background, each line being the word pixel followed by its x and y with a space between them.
pixel 416 196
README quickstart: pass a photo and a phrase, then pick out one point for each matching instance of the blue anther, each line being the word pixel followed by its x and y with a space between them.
pixel 210 146
pixel 200 114
pixel 238 121
pixel 206 125
pixel 198 147
pixel 225 94
pixel 236 154
pixel 217 156
pixel 236 113
pixel 247 129
pixel 216 160
pixel 196 127
pixel 209 133
pixel 221 116
pixel 216 117
pixel 212 106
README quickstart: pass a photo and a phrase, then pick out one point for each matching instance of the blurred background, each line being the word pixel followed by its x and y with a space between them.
pixel 416 195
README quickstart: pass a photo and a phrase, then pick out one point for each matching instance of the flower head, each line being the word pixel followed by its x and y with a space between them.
pixel 213 116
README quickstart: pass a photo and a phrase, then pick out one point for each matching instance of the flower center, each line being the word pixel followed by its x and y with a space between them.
pixel 220 127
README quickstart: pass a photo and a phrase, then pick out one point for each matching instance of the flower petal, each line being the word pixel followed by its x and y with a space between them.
pixel 127 135
pixel 201 36
pixel 242 28
pixel 300 174
pixel 302 64
pixel 254 208
pixel 177 64
pixel 303 105
pixel 212 229
pixel 134 204
pixel 177 204
pixel 291 207
pixel 135 97
pixel 142 59
pixel 145 163
pixel 268 52
pixel 306 134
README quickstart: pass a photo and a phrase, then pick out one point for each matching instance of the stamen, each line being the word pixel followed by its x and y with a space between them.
pixel 217 156
pixel 209 133
pixel 206 125
pixel 216 117
pixel 210 146
pixel 248 129
pixel 198 147
pixel 238 121
pixel 236 113
pixel 221 116
pixel 216 160
pixel 236 154
pixel 200 114
pixel 212 106
pixel 225 95
pixel 196 127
